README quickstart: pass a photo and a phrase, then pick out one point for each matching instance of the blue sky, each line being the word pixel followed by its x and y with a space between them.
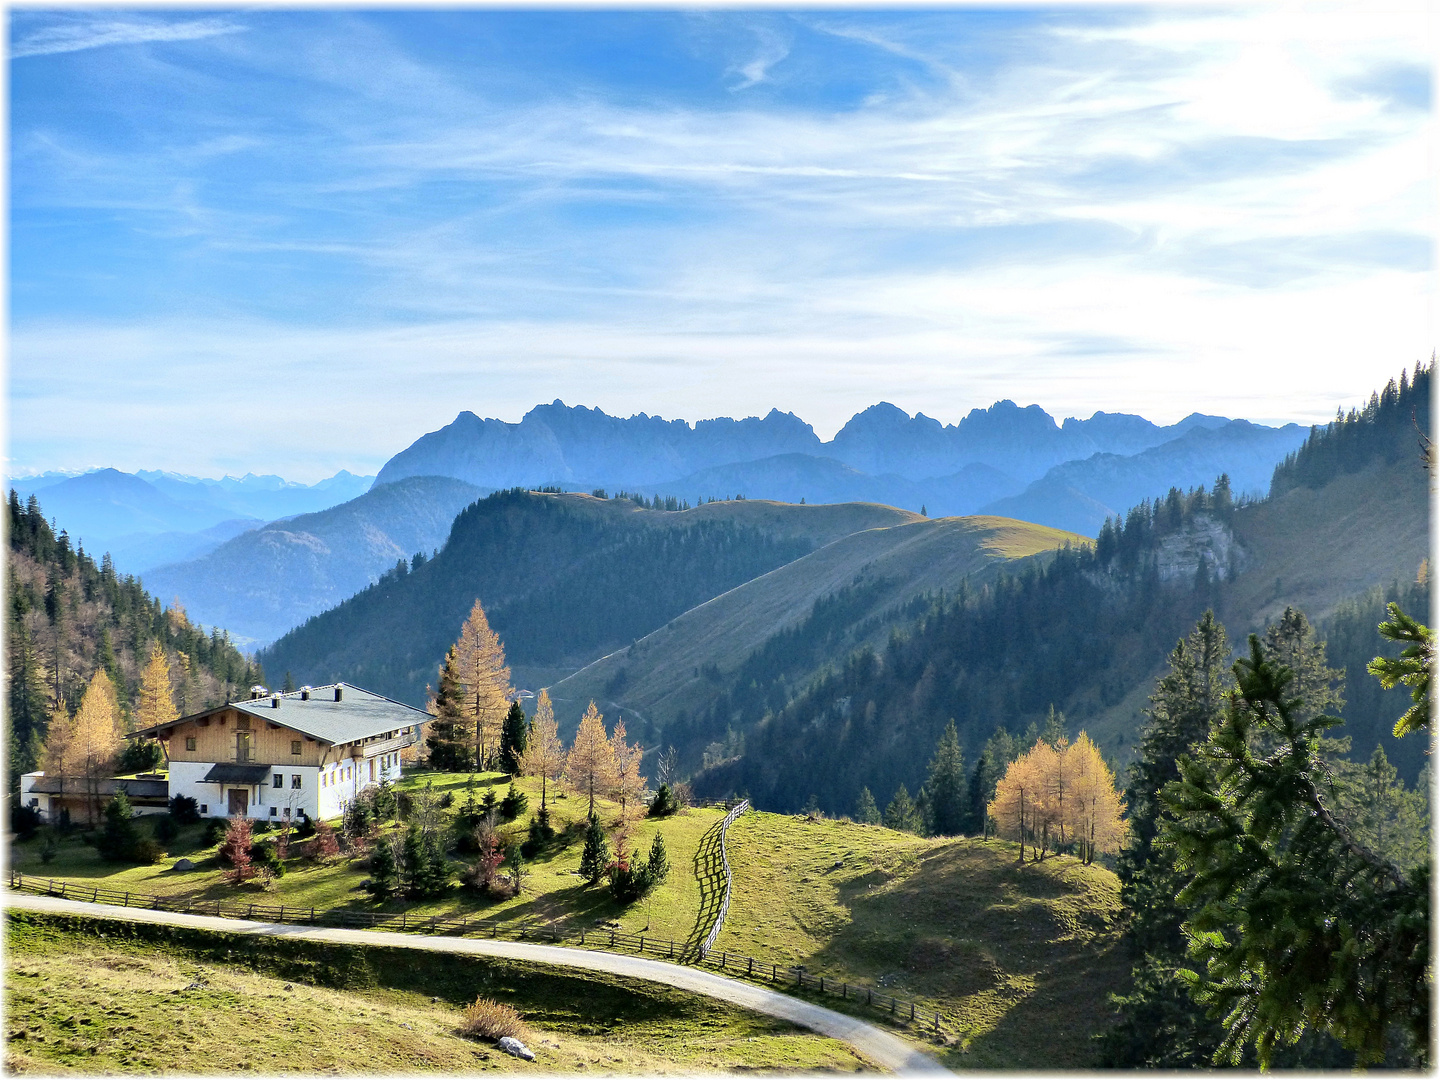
pixel 294 241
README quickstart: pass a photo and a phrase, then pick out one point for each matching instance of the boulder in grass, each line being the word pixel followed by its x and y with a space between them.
pixel 515 1047
pixel 183 864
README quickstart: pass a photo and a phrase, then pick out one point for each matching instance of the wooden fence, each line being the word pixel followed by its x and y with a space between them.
pixel 709 942
pixel 749 967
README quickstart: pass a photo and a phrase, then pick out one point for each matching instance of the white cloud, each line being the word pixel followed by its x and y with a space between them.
pixel 73 34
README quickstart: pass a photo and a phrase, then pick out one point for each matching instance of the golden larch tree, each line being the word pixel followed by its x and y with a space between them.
pixel 96 738
pixel 544 754
pixel 629 785
pixel 1018 795
pixel 590 764
pixel 60 757
pixel 486 679
pixel 1094 807
pixel 156 703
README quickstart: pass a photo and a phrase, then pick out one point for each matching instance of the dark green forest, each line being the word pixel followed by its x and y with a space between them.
pixel 67 616
pixel 1390 428
pixel 556 583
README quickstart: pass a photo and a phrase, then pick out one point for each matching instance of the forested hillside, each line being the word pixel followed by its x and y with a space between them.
pixel 1087 632
pixel 564 579
pixel 68 617
pixel 1075 633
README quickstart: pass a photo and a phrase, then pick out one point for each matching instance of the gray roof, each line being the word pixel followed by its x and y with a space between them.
pixel 236 774
pixel 359 714
pixel 79 785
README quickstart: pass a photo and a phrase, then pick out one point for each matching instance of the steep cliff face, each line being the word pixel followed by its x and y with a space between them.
pixel 1203 541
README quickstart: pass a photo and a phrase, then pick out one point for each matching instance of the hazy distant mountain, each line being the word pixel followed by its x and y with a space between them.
pixel 557 444
pixel 151 517
pixel 101 506
pixel 263 582
pixel 265 497
pixel 138 552
pixel 585 448
pixel 1080 495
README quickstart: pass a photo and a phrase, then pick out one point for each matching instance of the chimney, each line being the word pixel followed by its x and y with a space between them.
pixel 257 691
pixel 305 693
pixel 274 701
pixel 339 689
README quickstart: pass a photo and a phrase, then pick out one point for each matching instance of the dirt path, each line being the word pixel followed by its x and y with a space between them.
pixel 884 1049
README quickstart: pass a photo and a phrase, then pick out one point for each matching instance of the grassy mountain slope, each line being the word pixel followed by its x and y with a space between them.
pixel 265 581
pixel 564 578
pixel 680 666
pixel 97 995
pixel 1021 956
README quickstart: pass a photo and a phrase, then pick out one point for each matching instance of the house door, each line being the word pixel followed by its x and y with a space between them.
pixel 239 801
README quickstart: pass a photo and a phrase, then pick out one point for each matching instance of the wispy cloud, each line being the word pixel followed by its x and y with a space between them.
pixel 773 46
pixel 62 33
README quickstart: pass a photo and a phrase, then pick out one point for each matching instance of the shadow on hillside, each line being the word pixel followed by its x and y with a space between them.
pixel 1036 942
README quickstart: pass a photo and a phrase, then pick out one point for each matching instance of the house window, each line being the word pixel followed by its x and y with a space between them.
pixel 189 742
pixel 372 768
pixel 295 780
pixel 204 808
pixel 294 746
pixel 34 802
pixel 272 811
pixel 243 723
pixel 287 811
pixel 278 780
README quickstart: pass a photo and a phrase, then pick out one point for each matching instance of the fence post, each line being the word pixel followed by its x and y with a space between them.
pixel 312 915
pixel 404 919
pixel 822 984
pixel 844 991
pixel 937 1021
pixel 723 957
pixel 642 944
pixel 750 967
pixel 612 939
pixel 912 1012
pixel 582 937
pixel 893 1003
pixel 671 953
pixel 869 996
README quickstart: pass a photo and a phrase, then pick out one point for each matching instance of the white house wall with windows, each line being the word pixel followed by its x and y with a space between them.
pixel 277 755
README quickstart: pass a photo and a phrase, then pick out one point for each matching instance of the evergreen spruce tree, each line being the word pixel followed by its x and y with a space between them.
pixel 384 871
pixel 119 838
pixel 657 867
pixel 866 812
pixel 512 739
pixel 413 858
pixel 447 734
pixel 979 792
pixel 1159 1026
pixel 434 877
pixel 595 856
pixel 946 785
pixel 901 814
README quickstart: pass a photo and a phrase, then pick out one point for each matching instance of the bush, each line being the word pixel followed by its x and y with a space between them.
pixel 447 800
pixel 49 846
pixel 664 802
pixel 514 803
pixel 266 857
pixel 541 833
pixel 304 828
pixel 215 830
pixel 185 810
pixel 261 826
pixel 147 852
pixel 25 821
pixel 487 1019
